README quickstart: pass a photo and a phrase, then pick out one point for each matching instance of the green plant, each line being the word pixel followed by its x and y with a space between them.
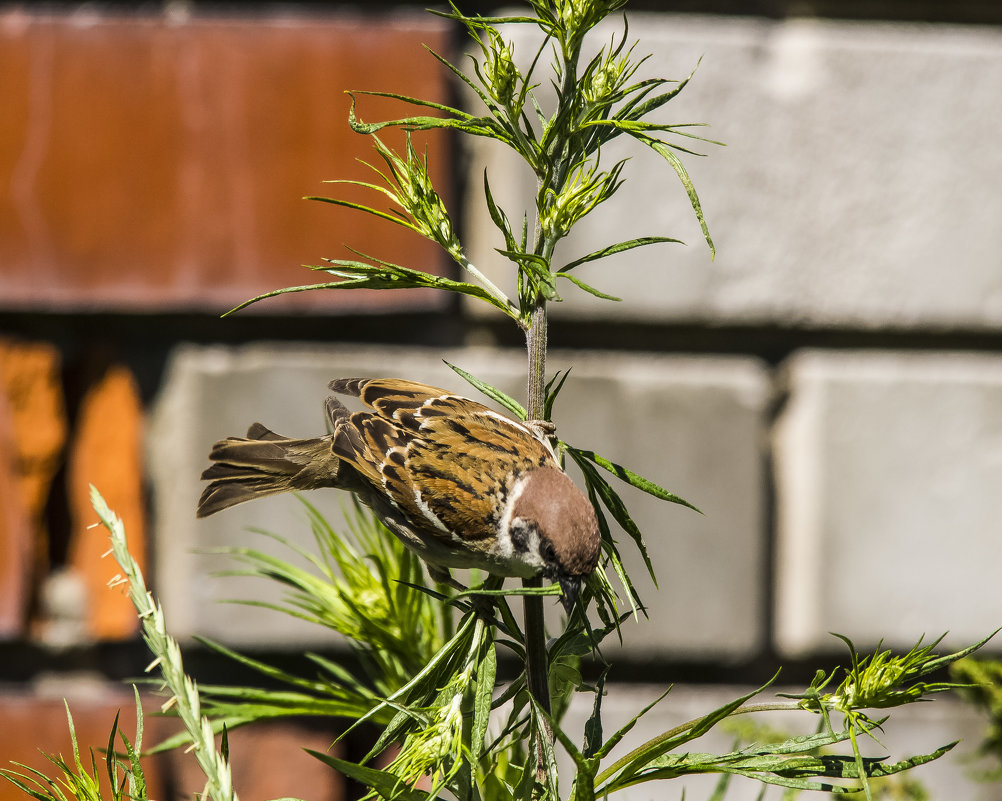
pixel 436 697
pixel 125 777
pixel 982 687
pixel 455 727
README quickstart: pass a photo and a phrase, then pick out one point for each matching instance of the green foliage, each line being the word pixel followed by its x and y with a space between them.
pixel 360 586
pixel 981 680
pixel 595 103
pixel 457 727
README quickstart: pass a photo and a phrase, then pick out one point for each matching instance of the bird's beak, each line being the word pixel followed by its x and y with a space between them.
pixel 571 585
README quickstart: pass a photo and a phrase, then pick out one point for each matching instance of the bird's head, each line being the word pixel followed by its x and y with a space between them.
pixel 554 525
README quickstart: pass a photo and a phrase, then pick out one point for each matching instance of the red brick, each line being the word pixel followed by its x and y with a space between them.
pixel 107 452
pixel 154 164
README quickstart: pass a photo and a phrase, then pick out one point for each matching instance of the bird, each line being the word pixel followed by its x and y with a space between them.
pixel 461 485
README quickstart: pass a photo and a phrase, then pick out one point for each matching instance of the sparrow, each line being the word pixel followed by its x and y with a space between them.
pixel 458 483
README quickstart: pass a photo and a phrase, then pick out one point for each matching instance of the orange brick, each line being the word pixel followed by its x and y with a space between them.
pixel 148 163
pixel 15 536
pixel 107 452
pixel 32 438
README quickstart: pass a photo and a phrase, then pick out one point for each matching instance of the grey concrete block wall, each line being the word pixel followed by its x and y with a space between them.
pixel 858 186
pixel 692 424
pixel 889 479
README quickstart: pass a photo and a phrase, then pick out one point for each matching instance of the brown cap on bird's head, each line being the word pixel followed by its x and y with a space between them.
pixel 569 539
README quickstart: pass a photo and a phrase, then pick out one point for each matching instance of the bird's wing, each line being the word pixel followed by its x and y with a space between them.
pixel 444 459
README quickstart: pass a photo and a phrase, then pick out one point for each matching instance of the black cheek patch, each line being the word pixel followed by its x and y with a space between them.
pixel 520 538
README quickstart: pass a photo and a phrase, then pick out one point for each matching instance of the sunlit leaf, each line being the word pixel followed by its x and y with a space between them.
pixel 491 392
pixel 633 479
pixel 619 247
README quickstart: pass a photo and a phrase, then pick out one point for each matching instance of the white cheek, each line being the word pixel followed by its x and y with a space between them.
pixel 509 507
pixel 504 547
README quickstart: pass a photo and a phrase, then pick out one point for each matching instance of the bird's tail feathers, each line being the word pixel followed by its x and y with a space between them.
pixel 264 463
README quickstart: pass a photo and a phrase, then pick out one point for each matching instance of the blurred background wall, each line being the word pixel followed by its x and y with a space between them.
pixel 827 389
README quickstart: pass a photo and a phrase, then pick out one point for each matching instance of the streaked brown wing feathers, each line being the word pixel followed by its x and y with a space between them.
pixel 435 452
pixel 386 395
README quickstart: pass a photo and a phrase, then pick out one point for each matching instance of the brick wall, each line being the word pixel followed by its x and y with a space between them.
pixel 827 390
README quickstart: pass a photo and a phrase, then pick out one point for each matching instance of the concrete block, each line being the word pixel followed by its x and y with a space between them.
pixel 915 729
pixel 693 425
pixel 860 159
pixel 888 471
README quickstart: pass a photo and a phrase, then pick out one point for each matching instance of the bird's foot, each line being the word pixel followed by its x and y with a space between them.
pixel 544 429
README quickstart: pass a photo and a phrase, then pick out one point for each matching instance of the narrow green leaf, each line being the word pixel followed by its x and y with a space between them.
pixel 619 247
pixel 491 392
pixel 396 219
pixel 948 659
pixel 135 775
pixel 634 479
pixel 263 668
pixel 483 700
pixel 552 390
pixel 478 126
pixel 413 101
pixel 19 780
pixel 639 110
pixel 593 726
pixel 643 755
pixel 880 769
pixel 358 275
pixel 587 287
pixel 549 589
pixel 616 507
pixel 541 739
pixel 612 553
pixel 109 757
pixel 499 218
pixel 387 784
pixel 664 151
pixel 482 22
pixel 626 728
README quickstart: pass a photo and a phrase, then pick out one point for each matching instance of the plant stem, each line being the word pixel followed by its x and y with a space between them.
pixel 536 667
pixel 535 646
pixel 536 344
